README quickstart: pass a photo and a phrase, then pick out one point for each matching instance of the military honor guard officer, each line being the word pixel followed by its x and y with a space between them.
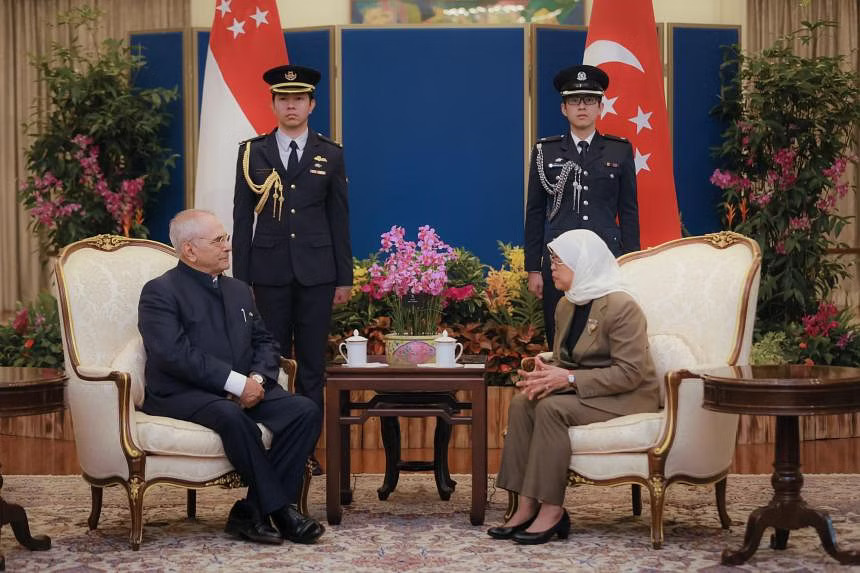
pixel 583 179
pixel 291 226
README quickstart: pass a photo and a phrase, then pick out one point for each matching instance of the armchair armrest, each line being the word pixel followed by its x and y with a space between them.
pixel 287 375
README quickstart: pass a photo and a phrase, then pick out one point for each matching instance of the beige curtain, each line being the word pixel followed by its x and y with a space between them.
pixel 767 20
pixel 25 31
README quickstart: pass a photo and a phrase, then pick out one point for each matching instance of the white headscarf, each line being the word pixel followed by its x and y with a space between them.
pixel 595 271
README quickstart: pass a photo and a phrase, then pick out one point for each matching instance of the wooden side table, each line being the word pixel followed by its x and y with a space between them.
pixel 26 392
pixel 785 391
pixel 400 382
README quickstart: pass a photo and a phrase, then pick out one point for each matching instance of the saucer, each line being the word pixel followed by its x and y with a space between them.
pixel 434 365
pixel 365 365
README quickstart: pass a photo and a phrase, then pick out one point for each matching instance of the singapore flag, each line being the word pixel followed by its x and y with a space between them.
pixel 622 41
pixel 246 40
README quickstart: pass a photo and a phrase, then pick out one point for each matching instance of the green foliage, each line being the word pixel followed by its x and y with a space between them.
pixel 792 123
pixel 467 270
pixel 32 336
pixel 90 94
pixel 770 349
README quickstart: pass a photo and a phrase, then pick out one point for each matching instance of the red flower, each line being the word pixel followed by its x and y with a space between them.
pixel 809 362
pixel 21 321
pixel 29 343
pixel 802 345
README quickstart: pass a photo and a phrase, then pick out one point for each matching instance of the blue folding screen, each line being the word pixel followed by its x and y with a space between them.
pixel 433 132
pixel 556 48
pixel 163 53
pixel 697 54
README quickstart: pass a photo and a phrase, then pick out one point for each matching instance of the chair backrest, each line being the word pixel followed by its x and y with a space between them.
pixel 98 286
pixel 699 293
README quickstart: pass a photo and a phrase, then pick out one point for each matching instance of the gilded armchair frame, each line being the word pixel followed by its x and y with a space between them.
pixel 136 485
pixel 657 482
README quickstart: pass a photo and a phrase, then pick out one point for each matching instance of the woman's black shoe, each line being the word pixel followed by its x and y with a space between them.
pixel 508 532
pixel 562 528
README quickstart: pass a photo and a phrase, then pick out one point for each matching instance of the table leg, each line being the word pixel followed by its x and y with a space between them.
pixel 441 438
pixel 16 516
pixel 479 455
pixel 345 459
pixel 333 454
pixel 390 429
pixel 787 510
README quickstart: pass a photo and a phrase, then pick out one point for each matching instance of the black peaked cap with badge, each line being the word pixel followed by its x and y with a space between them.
pixel 291 79
pixel 581 79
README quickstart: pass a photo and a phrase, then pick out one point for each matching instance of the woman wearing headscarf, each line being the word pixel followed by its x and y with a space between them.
pixel 601 368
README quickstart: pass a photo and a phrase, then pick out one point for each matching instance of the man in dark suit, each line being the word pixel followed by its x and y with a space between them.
pixel 580 180
pixel 291 226
pixel 211 361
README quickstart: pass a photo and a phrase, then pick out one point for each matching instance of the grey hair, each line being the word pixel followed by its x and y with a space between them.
pixel 187 225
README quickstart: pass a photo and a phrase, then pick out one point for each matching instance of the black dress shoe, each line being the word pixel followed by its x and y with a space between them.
pixel 245 523
pixel 562 528
pixel 508 532
pixel 296 527
pixel 316 468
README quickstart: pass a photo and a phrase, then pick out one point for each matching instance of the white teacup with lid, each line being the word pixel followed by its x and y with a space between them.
pixel 356 349
pixel 447 352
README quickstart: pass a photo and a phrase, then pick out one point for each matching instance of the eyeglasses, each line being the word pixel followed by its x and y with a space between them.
pixel 218 241
pixel 582 100
pixel 555 260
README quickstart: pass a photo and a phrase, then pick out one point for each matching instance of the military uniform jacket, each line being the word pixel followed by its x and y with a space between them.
pixel 305 237
pixel 608 184
pixel 611 360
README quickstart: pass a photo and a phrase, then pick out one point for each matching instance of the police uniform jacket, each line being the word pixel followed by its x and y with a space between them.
pixel 304 238
pixel 608 184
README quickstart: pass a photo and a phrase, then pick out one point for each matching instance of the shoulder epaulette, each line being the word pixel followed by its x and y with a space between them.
pixel 259 137
pixel 550 138
pixel 615 137
pixel 329 140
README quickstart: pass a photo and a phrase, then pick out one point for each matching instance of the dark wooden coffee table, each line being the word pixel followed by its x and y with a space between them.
pixel 409 392
pixel 26 392
pixel 784 391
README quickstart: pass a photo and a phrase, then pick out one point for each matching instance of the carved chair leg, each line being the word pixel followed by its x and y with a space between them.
pixel 720 491
pixel 513 502
pixel 657 491
pixel 191 503
pixel 96 508
pixel 636 498
pixel 306 487
pixel 135 504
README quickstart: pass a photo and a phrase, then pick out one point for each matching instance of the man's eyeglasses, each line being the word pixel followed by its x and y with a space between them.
pixel 582 100
pixel 217 241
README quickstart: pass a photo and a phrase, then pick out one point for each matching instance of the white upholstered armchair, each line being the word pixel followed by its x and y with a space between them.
pixel 699 297
pixel 98 284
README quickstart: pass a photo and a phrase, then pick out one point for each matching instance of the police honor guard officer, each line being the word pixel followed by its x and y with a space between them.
pixel 291 226
pixel 580 180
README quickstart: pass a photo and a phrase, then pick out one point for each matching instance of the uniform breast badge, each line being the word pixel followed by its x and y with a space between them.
pixel 272 184
pixel 556 190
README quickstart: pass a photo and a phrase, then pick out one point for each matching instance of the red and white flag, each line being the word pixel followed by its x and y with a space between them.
pixel 622 41
pixel 246 40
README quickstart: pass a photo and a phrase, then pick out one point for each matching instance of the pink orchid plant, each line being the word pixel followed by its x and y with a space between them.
pixel 415 275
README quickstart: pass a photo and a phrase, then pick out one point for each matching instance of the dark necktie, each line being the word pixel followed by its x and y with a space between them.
pixel 293 161
pixel 583 147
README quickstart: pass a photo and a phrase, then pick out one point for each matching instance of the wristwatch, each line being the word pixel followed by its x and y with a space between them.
pixel 571 379
pixel 259 378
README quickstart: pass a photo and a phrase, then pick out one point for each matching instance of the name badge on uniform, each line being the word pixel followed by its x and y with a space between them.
pixel 317 172
pixel 611 164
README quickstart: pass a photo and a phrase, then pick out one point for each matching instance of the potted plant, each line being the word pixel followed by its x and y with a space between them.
pixel 792 127
pixel 413 277
pixel 96 158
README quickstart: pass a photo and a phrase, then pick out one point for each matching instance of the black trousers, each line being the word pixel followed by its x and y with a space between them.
pixel 299 317
pixel 274 477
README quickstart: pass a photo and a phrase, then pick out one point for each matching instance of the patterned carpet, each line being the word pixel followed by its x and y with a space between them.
pixel 414 530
